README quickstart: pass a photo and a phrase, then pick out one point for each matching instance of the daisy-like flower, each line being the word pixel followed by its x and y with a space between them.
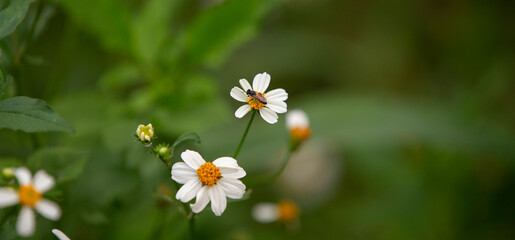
pixel 297 123
pixel 208 181
pixel 145 133
pixel 284 211
pixel 268 104
pixel 29 195
pixel 60 234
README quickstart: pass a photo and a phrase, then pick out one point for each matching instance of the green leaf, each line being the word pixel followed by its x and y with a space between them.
pixel 12 15
pixel 30 115
pixel 108 21
pixel 150 28
pixel 193 136
pixel 63 163
pixel 220 29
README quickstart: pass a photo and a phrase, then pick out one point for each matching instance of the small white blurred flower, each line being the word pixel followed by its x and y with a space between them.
pixel 60 234
pixel 208 181
pixel 268 104
pixel 284 211
pixel 297 123
pixel 145 133
pixel 30 196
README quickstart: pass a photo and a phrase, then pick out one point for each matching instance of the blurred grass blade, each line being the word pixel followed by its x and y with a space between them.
pixel 12 15
pixel 30 115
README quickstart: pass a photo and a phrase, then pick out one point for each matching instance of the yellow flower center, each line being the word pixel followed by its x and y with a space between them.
pixel 255 103
pixel 288 211
pixel 301 133
pixel 28 195
pixel 208 174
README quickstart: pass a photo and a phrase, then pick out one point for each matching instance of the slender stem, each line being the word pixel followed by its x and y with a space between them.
pixel 244 135
pixel 273 176
pixel 192 226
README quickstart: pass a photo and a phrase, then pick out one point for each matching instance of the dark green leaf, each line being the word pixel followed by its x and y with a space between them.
pixel 193 136
pixel 30 115
pixel 108 21
pixel 12 15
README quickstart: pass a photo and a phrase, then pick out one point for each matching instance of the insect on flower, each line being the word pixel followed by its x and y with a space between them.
pixel 256 95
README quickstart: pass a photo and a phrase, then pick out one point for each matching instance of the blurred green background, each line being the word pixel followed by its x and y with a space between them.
pixel 411 105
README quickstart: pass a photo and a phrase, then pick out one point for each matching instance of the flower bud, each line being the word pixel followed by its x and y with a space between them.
pixel 297 123
pixel 145 133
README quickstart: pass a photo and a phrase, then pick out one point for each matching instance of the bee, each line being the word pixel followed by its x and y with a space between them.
pixel 254 94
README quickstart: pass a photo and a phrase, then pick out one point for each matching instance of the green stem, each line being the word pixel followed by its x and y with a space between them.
pixel 244 135
pixel 192 226
pixel 272 177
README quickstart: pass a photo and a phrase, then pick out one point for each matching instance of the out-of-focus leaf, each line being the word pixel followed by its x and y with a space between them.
pixel 12 15
pixel 221 28
pixel 63 163
pixel 150 28
pixel 108 21
pixel 120 77
pixel 193 136
pixel 30 115
pixel 3 79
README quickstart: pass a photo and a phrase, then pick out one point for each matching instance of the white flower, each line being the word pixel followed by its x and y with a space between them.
pixel 285 211
pixel 268 104
pixel 208 181
pixel 60 234
pixel 297 123
pixel 30 196
pixel 145 133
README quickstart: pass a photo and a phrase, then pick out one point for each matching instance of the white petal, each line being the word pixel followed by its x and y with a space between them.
pixel 277 106
pixel 225 162
pixel 8 197
pixel 297 118
pixel 218 200
pixel 265 212
pixel 278 94
pixel 43 182
pixel 241 111
pixel 201 201
pixel 232 172
pixel 268 115
pixel 245 85
pixel 238 94
pixel 182 173
pixel 23 175
pixel 26 223
pixel 48 209
pixel 193 159
pixel 233 188
pixel 60 234
pixel 189 190
pixel 261 82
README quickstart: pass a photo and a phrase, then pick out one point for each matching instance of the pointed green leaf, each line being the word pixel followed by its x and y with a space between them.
pixel 193 136
pixel 12 15
pixel 30 115
pixel 220 29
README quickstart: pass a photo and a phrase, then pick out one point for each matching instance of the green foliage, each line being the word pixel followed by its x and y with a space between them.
pixel 62 163
pixel 30 115
pixel 188 136
pixel 12 15
pixel 221 28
